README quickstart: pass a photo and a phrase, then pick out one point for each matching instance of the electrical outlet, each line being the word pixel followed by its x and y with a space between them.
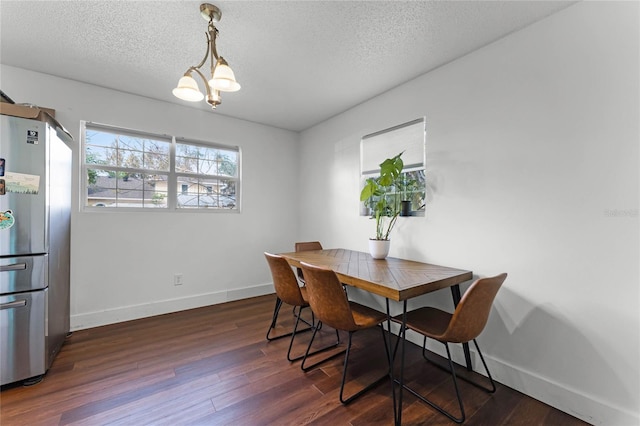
pixel 177 279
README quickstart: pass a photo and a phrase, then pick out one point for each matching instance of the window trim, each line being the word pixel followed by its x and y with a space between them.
pixel 172 175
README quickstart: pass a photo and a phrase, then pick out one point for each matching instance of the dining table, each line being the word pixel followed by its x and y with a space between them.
pixel 394 279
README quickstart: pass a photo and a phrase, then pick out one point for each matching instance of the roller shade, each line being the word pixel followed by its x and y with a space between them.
pixel 378 146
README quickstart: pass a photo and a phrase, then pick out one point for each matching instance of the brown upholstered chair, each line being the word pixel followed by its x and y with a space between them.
pixel 330 305
pixel 306 246
pixel 288 291
pixel 299 246
pixel 465 324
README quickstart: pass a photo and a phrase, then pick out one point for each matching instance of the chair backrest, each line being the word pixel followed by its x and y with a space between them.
pixel 284 280
pixel 327 298
pixel 472 313
pixel 308 245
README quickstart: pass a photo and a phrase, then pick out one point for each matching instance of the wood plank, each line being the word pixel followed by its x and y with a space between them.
pixel 212 365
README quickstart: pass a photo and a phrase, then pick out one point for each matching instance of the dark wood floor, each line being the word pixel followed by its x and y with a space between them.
pixel 213 366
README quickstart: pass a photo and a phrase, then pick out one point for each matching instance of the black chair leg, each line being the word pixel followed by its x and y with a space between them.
pixel 434 405
pixel 317 328
pixel 344 374
pixel 491 389
pixel 274 319
pixel 293 336
pixel 276 310
pixel 452 371
pixel 455 384
pixel 493 385
pixel 295 331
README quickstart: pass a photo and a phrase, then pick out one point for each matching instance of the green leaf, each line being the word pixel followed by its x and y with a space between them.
pixel 368 190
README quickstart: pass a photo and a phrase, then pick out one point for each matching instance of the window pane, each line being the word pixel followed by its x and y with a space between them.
pixel 413 189
pixel 156 155
pixel 226 192
pixel 101 188
pixel 227 163
pixel 228 188
pixel 208 167
pixel 183 150
pixel 108 188
pixel 100 155
pixel 186 159
pixel 206 193
pixel 130 159
pixel 130 143
pixel 206 160
pixel 126 151
pixel 187 195
pixel 100 138
pixel 156 161
pixel 129 190
pixel 102 148
pixel 155 191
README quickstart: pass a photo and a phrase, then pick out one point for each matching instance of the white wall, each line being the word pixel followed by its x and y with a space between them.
pixel 123 263
pixel 532 154
pixel 532 157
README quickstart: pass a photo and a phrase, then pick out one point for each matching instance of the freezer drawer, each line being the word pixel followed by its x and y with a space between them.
pixel 23 273
pixel 22 336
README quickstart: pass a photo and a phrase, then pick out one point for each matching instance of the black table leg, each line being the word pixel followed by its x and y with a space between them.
pixel 455 293
pixel 391 355
pixel 401 335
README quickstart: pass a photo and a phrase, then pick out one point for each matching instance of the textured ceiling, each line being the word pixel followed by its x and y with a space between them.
pixel 299 62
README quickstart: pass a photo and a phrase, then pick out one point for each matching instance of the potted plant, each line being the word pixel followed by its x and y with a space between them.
pixel 407 185
pixel 380 195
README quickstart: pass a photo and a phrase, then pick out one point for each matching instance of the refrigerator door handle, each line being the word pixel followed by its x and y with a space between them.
pixel 13 305
pixel 13 267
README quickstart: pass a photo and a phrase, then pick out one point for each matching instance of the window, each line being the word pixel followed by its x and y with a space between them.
pixel 126 169
pixel 408 138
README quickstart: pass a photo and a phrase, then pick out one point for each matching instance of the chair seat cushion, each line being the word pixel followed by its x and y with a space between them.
pixel 366 317
pixel 428 321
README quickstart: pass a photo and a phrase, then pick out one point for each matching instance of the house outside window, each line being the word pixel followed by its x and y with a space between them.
pixel 125 169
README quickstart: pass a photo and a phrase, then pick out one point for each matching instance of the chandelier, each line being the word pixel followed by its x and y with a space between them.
pixel 222 77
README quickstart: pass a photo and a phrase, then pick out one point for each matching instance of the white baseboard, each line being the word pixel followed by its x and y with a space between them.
pixel 132 312
pixel 572 401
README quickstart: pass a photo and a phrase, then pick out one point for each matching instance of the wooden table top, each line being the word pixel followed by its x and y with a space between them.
pixel 393 278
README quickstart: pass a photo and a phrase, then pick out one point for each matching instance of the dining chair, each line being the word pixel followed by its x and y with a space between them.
pixel 299 246
pixel 331 306
pixel 464 325
pixel 288 291
pixel 306 246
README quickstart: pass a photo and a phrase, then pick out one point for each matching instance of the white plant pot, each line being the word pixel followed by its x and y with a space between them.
pixel 379 249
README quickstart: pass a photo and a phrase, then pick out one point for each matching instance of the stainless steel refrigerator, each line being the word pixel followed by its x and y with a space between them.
pixel 35 207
